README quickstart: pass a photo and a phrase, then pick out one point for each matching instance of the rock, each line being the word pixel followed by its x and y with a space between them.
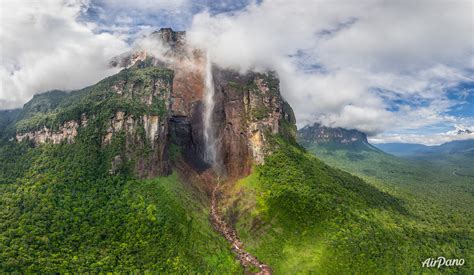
pixel 67 132
pixel 175 39
pixel 249 109
pixel 320 134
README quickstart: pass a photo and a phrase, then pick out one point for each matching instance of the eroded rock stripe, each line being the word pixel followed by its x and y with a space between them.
pixel 246 259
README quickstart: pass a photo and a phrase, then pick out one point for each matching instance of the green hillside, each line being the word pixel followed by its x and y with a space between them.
pixel 300 215
pixel 61 210
pixel 443 179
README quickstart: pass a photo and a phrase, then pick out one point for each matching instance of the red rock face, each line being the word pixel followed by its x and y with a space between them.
pixel 248 109
pixel 188 84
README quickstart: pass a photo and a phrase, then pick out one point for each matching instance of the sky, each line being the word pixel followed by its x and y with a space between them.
pixel 399 70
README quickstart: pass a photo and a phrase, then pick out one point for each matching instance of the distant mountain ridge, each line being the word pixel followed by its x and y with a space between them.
pixel 321 134
pixel 410 149
pixel 333 138
pixel 401 149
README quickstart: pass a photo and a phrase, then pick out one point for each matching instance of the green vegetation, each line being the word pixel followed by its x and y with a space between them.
pixel 7 118
pixel 300 215
pixel 63 212
pixel 45 102
pixel 430 185
pixel 136 84
pixel 260 112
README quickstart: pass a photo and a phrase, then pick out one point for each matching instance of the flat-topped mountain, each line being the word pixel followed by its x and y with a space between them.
pixel 324 135
pixel 158 102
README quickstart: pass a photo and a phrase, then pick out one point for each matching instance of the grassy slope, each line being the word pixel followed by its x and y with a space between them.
pixel 300 215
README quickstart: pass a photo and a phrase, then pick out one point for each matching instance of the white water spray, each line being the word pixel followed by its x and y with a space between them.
pixel 209 138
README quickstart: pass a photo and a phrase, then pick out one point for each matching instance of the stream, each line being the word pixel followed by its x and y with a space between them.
pixel 246 259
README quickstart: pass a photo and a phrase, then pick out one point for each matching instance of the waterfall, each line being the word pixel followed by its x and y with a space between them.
pixel 209 138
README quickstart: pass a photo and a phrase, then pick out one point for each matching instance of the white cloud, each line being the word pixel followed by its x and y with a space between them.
pixel 404 36
pixel 129 18
pixel 44 47
pixel 407 49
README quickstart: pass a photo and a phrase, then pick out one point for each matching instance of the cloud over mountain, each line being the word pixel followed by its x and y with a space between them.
pixel 345 63
pixel 377 66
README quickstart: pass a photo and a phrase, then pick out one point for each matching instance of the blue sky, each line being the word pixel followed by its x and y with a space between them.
pixel 178 17
pixel 398 70
pixel 463 94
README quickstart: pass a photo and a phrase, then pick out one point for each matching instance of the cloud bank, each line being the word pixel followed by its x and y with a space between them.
pixel 45 47
pixel 345 63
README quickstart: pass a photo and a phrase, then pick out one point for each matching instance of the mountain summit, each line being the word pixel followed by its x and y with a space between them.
pixel 158 102
pixel 322 135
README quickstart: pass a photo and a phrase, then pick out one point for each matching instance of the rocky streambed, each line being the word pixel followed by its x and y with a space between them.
pixel 246 259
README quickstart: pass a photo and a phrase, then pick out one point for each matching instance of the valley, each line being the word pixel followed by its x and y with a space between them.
pixel 430 185
pixel 166 167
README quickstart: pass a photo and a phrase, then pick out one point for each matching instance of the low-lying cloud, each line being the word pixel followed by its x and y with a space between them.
pixel 459 133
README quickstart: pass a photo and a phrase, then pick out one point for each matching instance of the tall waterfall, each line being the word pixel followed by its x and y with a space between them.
pixel 209 136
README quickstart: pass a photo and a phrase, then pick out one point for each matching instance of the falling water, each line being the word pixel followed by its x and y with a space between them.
pixel 209 138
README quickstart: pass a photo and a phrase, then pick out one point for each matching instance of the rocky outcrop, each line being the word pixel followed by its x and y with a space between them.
pixel 320 134
pixel 127 123
pixel 249 109
pixel 66 132
pixel 145 133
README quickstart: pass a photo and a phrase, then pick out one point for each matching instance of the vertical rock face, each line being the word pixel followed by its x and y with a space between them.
pixel 249 108
pixel 67 132
pixel 157 102
pixel 145 124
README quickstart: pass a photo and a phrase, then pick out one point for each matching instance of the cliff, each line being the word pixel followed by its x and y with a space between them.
pixel 156 104
pixel 320 134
